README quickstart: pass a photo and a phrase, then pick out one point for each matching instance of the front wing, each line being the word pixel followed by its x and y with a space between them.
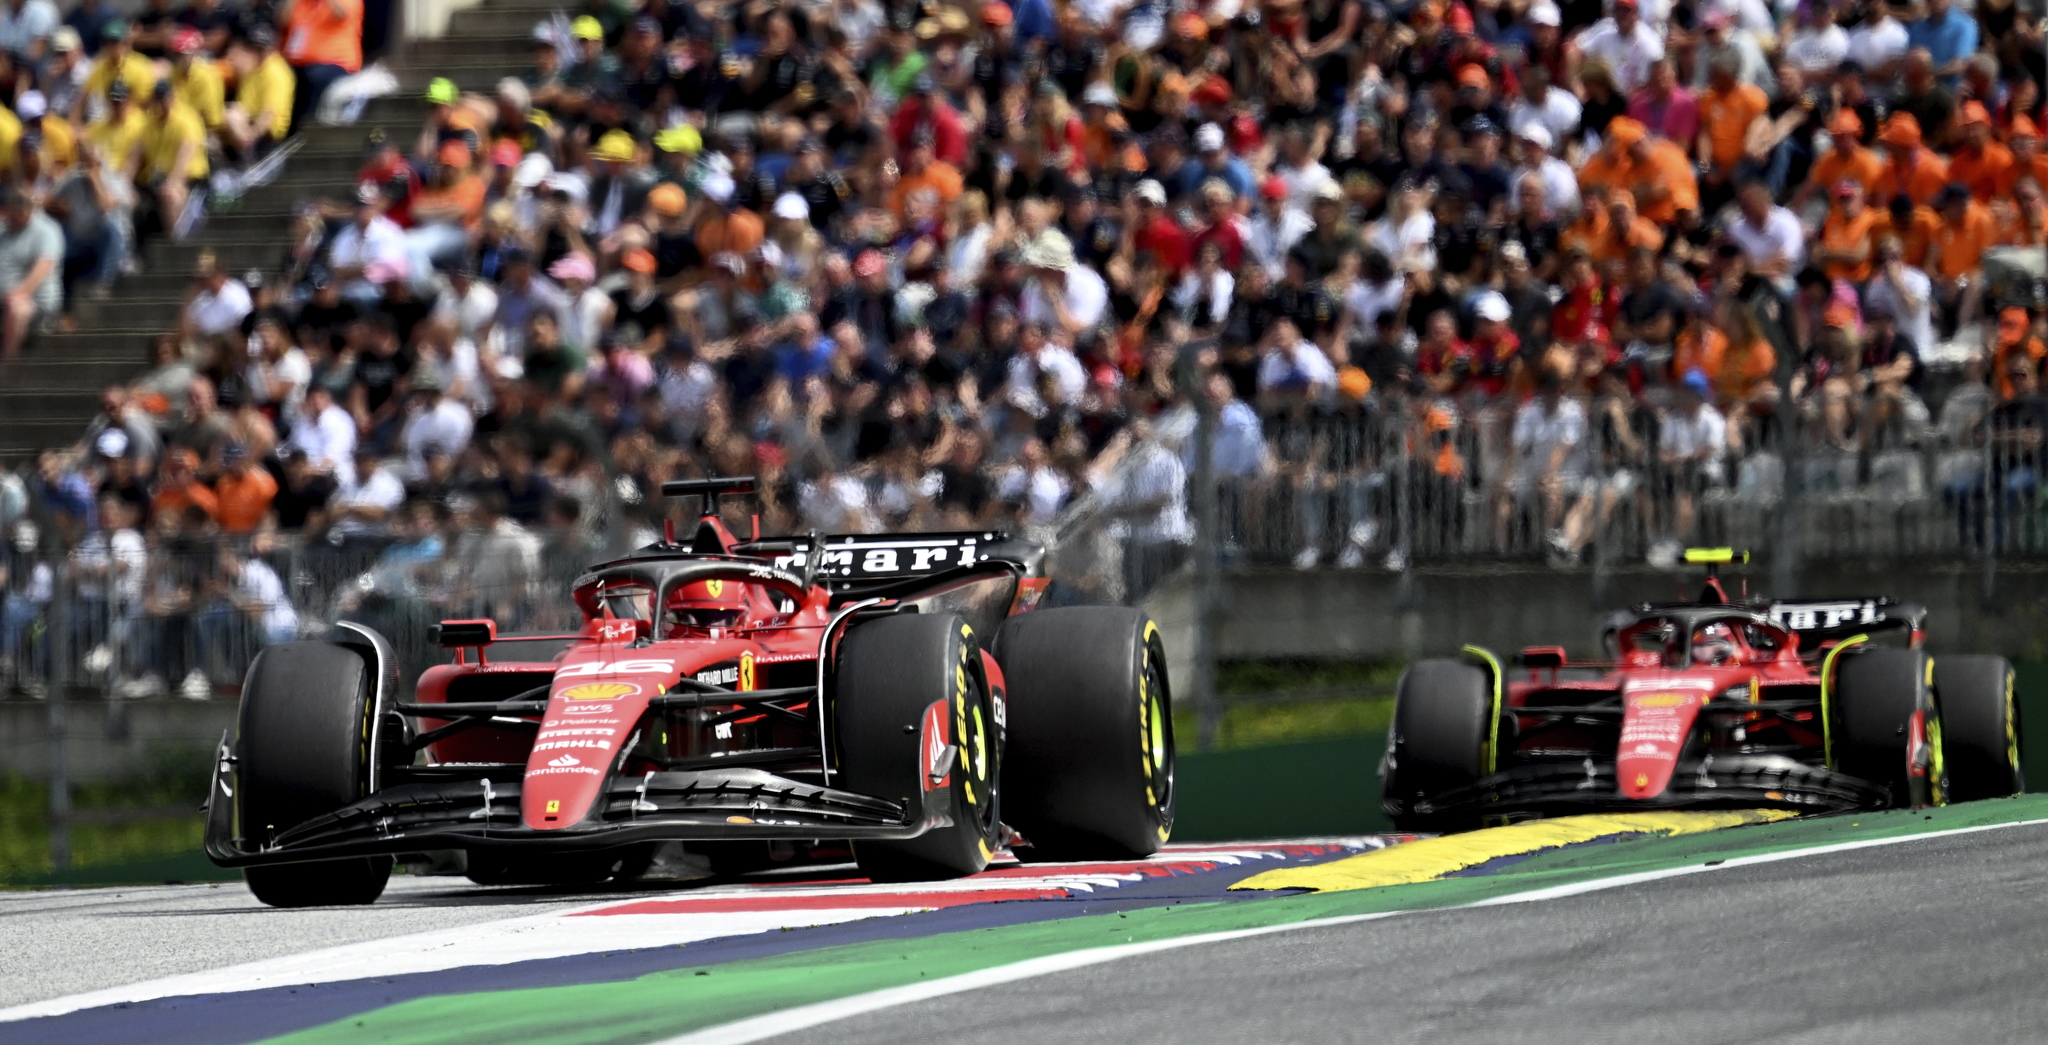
pixel 1712 782
pixel 706 805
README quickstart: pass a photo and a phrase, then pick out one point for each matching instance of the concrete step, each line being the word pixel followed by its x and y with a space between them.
pixel 125 308
pixel 36 372
pixel 50 404
pixel 489 20
pixel 514 47
pixel 20 441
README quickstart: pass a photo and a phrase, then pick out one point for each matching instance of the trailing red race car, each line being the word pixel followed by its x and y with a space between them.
pixel 887 691
pixel 1787 705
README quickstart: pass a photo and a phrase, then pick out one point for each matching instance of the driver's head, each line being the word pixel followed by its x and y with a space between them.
pixel 706 605
pixel 1714 645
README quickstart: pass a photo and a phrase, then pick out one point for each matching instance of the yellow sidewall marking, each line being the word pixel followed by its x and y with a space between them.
pixel 1428 858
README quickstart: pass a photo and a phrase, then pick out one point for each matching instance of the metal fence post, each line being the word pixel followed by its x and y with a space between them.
pixel 1208 710
pixel 59 634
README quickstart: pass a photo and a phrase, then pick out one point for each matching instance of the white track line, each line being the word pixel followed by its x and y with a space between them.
pixel 804 1017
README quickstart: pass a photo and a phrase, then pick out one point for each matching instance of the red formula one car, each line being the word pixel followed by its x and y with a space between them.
pixel 1789 705
pixel 889 692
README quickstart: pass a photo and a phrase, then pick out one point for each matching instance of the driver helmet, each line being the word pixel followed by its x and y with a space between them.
pixel 707 604
pixel 1714 645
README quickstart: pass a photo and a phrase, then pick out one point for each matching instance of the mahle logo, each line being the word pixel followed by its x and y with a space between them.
pixel 600 691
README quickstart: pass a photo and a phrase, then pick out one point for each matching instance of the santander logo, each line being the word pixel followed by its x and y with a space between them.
pixel 565 760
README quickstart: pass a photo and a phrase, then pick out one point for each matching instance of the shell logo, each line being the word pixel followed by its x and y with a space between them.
pixel 600 691
pixel 1642 780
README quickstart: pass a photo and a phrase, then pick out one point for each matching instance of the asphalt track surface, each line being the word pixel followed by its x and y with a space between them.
pixel 1941 939
pixel 59 942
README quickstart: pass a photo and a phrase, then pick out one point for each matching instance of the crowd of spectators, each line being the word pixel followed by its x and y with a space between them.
pixel 919 264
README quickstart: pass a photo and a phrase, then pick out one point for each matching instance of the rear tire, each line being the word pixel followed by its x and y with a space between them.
pixel 890 671
pixel 1442 710
pixel 304 749
pixel 1876 692
pixel 1082 683
pixel 1980 727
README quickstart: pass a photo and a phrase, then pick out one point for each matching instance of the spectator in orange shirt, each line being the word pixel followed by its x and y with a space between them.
pixel 2022 220
pixel 725 228
pixel 1609 167
pixel 1979 163
pixel 178 487
pixel 1626 230
pixel 1729 109
pixel 1958 254
pixel 1915 227
pixel 2015 337
pixel 323 39
pixel 1910 168
pixel 923 169
pixel 243 493
pixel 2024 140
pixel 1849 160
pixel 1846 235
pixel 1662 178
pixel 1589 229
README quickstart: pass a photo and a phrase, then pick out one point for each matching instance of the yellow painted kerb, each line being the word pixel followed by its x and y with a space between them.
pixel 1429 858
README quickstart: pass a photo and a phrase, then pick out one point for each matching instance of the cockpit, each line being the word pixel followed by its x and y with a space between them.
pixel 1688 641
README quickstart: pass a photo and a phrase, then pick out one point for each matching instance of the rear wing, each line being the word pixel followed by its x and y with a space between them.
pixel 856 560
pixel 1821 621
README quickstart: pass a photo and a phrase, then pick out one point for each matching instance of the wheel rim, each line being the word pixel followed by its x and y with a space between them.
pixel 1155 727
pixel 970 732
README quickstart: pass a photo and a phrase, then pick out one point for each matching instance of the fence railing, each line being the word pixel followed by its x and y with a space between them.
pixel 1599 482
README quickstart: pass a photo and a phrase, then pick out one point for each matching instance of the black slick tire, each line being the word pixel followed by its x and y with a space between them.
pixel 1875 693
pixel 1980 727
pixel 1088 771
pixel 304 750
pixel 890 672
pixel 1442 711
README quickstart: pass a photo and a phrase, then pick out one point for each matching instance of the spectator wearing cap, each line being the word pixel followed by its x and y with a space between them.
pixel 1957 253
pixel 1846 248
pixel 323 41
pixel 369 239
pixel 61 78
pixel 723 227
pixel 179 487
pixel 116 62
pixel 1729 111
pixel 1910 168
pixel 1222 226
pixel 1215 160
pixel 1058 293
pixel 640 304
pixel 1903 290
pixel 924 172
pixel 2024 221
pixel 217 22
pixel 173 153
pixel 1624 42
pixel 619 190
pixel 926 113
pixel 1627 231
pixel 2015 347
pixel 516 120
pixel 31 253
pixel 1847 159
pixel 195 79
pixel 1489 177
pixel 1557 183
pixel 243 492
pixel 1978 160
pixel 449 210
pixel 436 426
pixel 1150 228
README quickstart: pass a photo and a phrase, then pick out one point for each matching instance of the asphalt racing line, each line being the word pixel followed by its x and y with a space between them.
pixel 304 990
pixel 820 1013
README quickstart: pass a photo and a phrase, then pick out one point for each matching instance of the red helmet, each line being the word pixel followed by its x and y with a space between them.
pixel 707 604
pixel 1714 645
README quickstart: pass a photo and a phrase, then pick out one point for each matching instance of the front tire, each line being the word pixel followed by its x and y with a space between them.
pixel 1879 691
pixel 1442 711
pixel 304 750
pixel 1083 683
pixel 1980 727
pixel 890 673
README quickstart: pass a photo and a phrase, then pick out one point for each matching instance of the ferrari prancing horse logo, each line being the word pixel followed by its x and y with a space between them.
pixel 746 671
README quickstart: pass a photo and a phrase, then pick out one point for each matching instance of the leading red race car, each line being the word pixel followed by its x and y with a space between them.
pixel 723 694
pixel 1788 705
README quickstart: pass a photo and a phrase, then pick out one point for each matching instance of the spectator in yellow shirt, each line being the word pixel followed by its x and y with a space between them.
pixel 262 111
pixel 173 150
pixel 195 79
pixel 117 136
pixel 60 139
pixel 117 63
